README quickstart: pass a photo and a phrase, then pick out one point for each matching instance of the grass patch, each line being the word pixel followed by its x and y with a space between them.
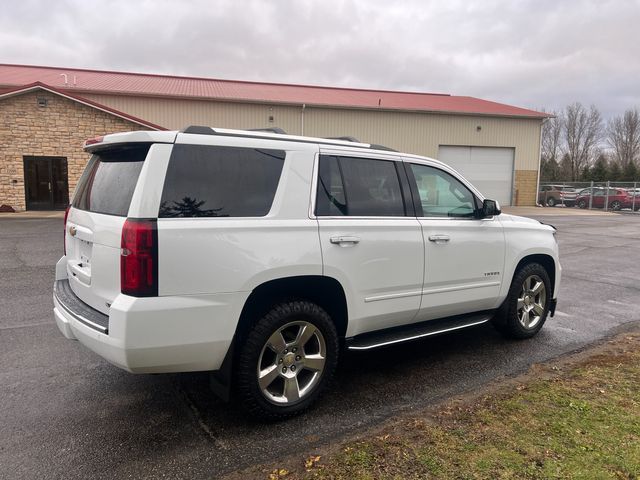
pixel 582 422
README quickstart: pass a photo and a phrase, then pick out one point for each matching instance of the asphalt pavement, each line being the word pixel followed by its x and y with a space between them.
pixel 66 413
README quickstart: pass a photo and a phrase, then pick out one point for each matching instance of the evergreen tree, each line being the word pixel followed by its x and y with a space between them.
pixel 630 172
pixel 548 170
pixel 615 172
pixel 600 171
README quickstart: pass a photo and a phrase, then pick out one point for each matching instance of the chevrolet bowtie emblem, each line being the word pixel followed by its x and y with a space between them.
pixel 72 231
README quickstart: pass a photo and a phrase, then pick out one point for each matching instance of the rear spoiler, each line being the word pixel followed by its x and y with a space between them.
pixel 142 136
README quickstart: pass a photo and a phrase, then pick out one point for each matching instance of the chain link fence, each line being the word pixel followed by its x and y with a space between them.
pixel 609 195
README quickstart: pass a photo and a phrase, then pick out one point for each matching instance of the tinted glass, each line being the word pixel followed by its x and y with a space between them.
pixel 441 194
pixel 372 187
pixel 108 182
pixel 206 181
pixel 330 200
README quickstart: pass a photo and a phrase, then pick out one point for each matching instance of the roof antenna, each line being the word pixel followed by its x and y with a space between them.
pixel 66 81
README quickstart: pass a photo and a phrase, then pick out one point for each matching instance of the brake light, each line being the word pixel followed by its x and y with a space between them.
pixel 139 258
pixel 64 234
pixel 94 140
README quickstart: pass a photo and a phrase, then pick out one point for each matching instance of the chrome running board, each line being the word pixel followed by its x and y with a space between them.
pixel 406 333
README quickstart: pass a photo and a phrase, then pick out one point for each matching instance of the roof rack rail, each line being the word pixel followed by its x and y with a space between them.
pixel 277 130
pixel 345 139
pixel 201 130
pixel 355 140
pixel 375 146
pixel 198 130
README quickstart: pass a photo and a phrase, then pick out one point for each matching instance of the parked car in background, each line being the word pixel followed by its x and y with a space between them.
pixel 552 195
pixel 614 199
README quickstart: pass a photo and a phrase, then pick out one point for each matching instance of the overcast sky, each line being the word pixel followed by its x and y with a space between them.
pixel 542 53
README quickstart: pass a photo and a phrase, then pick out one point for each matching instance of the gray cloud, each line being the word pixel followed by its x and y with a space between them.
pixel 529 53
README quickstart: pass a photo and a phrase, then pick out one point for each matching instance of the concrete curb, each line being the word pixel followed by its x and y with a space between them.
pixel 33 214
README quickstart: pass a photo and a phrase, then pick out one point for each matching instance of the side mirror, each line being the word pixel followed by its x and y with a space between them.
pixel 490 208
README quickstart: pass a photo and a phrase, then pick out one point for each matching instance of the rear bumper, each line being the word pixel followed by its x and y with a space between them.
pixel 156 335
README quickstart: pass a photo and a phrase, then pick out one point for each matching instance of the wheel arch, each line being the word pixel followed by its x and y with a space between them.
pixel 326 292
pixel 545 260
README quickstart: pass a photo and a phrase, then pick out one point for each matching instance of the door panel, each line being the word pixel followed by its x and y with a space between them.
pixel 381 273
pixel 464 256
pixel 463 273
pixel 371 241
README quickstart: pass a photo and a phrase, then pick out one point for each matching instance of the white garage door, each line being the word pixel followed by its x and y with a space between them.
pixel 489 169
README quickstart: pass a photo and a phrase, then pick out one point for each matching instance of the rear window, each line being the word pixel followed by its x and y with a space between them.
pixel 214 181
pixel 108 182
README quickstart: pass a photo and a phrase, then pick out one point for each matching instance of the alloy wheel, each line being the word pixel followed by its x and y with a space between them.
pixel 291 363
pixel 531 302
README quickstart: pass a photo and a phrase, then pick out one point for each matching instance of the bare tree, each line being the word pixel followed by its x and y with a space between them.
pixel 623 135
pixel 551 138
pixel 582 132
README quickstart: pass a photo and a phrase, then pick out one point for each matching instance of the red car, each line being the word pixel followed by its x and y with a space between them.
pixel 617 199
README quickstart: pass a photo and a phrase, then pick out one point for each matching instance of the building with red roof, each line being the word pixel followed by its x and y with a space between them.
pixel 47 112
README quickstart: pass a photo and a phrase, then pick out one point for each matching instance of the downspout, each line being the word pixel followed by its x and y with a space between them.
pixel 540 159
pixel 304 105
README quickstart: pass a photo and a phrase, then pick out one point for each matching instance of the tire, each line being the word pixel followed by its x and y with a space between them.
pixel 582 204
pixel 297 371
pixel 526 307
pixel 551 202
pixel 615 205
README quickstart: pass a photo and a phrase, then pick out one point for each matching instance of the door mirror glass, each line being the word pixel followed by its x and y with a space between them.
pixel 490 208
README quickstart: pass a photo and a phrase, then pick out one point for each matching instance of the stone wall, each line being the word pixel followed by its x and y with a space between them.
pixel 58 129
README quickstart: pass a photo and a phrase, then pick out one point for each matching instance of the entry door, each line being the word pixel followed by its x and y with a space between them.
pixel 464 256
pixel 46 183
pixel 371 243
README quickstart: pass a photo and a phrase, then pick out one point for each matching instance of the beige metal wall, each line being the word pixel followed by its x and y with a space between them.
pixel 420 133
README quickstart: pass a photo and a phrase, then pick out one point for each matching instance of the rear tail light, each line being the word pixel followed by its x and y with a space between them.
pixel 139 258
pixel 64 235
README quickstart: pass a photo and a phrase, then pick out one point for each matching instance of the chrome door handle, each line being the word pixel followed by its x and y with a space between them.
pixel 346 240
pixel 439 238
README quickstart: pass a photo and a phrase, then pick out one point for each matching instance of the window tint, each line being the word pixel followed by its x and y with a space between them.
pixel 330 199
pixel 358 187
pixel 108 182
pixel 441 194
pixel 206 181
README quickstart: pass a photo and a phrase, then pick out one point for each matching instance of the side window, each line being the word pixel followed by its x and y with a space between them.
pixel 330 199
pixel 360 187
pixel 211 181
pixel 441 194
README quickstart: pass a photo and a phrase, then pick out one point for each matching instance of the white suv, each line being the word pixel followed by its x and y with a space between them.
pixel 259 256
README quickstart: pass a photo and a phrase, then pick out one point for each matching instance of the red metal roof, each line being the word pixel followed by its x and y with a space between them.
pixel 139 84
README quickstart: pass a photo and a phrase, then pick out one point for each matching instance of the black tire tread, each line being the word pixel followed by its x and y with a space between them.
pixel 505 320
pixel 246 385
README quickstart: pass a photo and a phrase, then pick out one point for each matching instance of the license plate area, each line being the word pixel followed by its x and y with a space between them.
pixel 79 256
